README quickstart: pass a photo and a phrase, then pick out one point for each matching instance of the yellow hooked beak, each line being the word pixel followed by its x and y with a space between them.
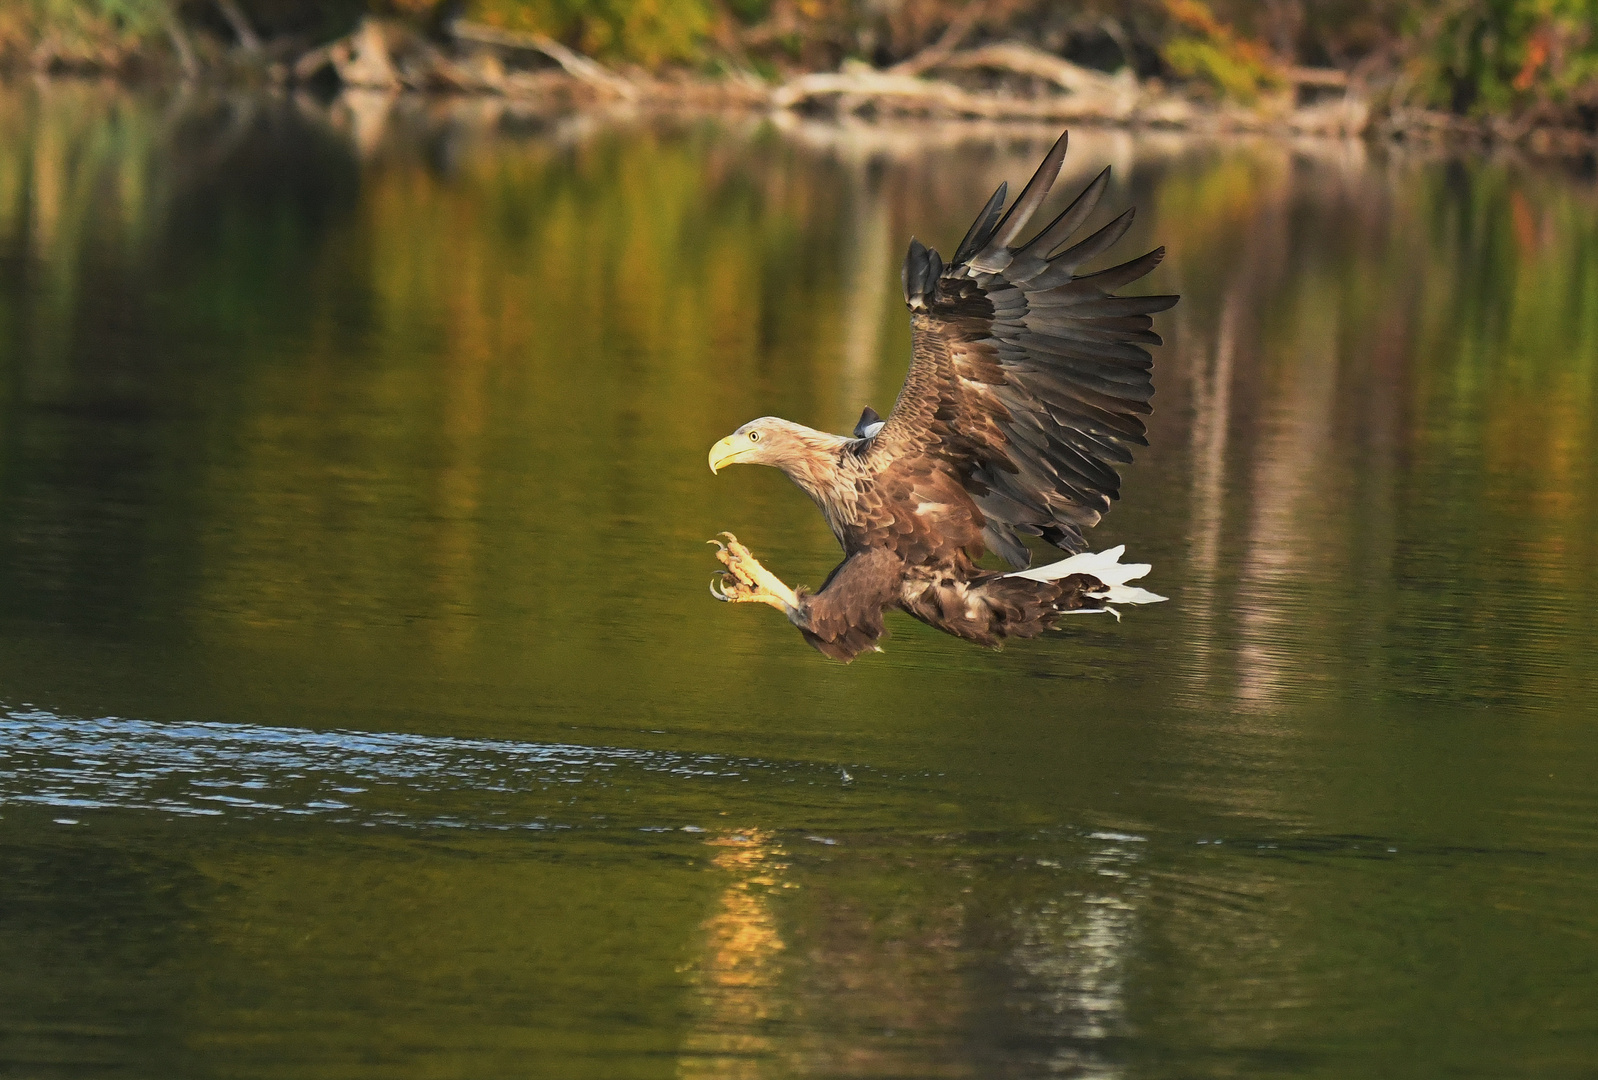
pixel 725 452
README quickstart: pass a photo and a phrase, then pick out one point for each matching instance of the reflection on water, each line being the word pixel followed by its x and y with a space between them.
pixel 352 508
pixel 738 973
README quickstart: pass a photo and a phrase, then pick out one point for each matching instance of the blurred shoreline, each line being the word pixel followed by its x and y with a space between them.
pixel 473 70
pixel 372 121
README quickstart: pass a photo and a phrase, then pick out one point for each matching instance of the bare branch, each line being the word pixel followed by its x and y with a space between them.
pixel 248 40
pixel 957 30
pixel 180 42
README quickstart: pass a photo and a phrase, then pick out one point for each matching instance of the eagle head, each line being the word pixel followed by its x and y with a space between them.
pixel 772 440
pixel 769 440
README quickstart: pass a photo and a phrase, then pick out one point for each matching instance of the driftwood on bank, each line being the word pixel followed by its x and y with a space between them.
pixel 1088 94
pixel 994 82
pixel 1077 94
pixel 860 91
pixel 1004 81
pixel 573 63
pixel 1018 59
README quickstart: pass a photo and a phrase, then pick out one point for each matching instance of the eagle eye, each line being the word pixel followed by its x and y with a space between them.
pixel 754 436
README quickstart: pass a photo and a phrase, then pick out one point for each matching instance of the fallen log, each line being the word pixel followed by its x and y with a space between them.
pixel 853 91
pixel 1018 59
pixel 575 64
pixel 1090 95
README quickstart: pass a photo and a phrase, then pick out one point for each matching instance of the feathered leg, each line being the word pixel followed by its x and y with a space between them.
pixel 988 607
pixel 745 581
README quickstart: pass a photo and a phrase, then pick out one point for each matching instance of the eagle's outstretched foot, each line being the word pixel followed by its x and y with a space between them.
pixel 745 581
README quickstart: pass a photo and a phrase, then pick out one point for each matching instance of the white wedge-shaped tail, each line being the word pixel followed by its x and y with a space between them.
pixel 1108 568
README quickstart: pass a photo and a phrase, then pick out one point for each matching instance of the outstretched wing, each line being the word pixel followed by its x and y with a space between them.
pixel 1026 380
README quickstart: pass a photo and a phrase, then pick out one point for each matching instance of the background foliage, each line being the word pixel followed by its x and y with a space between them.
pixel 100 33
pixel 1495 55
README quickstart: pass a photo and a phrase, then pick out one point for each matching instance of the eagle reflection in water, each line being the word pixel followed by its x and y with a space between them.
pixel 1027 386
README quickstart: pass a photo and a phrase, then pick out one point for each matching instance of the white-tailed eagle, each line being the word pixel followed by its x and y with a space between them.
pixel 1026 388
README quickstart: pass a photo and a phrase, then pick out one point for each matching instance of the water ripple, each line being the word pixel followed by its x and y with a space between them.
pixel 215 769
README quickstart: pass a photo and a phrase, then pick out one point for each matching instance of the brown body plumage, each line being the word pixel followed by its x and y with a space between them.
pixel 1026 387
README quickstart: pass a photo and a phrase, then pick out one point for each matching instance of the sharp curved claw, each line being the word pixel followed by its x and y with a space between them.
pixel 727 536
pixel 719 545
pixel 717 593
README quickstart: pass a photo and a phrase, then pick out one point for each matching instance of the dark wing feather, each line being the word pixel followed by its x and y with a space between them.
pixel 1027 381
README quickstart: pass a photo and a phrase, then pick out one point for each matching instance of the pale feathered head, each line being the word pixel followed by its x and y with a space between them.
pixel 772 440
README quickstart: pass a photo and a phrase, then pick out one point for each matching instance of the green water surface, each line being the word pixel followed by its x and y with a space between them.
pixel 363 711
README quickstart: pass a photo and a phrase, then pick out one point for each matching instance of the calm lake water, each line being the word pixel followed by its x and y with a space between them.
pixel 363 712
